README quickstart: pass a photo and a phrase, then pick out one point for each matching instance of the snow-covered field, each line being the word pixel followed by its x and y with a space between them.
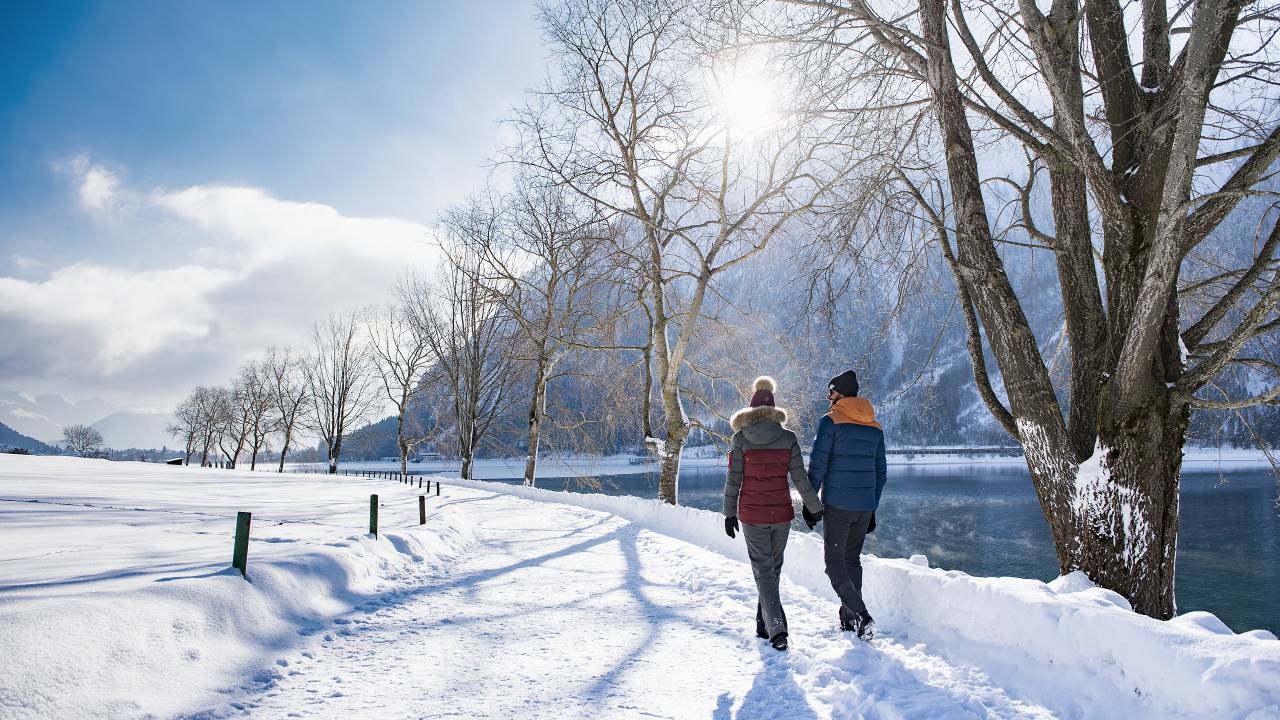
pixel 1194 459
pixel 116 601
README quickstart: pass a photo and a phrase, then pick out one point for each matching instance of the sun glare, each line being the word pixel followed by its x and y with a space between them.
pixel 748 95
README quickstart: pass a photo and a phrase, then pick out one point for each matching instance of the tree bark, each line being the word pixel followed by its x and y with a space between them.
pixel 669 449
pixel 536 411
pixel 288 435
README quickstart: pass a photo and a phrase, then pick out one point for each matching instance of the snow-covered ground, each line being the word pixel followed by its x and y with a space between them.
pixel 116 601
pixel 1194 460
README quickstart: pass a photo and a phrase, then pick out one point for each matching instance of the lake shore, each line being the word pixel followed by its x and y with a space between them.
pixel 1195 459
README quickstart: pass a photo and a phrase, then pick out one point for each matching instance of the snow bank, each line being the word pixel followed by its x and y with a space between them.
pixel 1080 644
pixel 117 599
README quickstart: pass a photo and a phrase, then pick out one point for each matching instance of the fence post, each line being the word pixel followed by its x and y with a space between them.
pixel 240 551
pixel 420 483
pixel 437 488
pixel 422 510
pixel 373 515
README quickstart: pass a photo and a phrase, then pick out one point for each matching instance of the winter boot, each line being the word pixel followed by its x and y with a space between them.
pixel 846 620
pixel 864 625
pixel 779 641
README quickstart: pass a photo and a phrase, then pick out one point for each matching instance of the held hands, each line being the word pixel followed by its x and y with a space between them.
pixel 731 526
pixel 810 519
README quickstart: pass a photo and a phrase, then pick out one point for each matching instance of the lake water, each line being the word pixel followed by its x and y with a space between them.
pixel 985 520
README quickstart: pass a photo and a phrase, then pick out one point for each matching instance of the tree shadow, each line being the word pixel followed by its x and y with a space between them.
pixel 774 693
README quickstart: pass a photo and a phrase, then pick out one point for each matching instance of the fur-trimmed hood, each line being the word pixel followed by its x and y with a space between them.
pixel 744 420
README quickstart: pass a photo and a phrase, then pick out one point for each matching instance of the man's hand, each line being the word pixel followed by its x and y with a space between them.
pixel 810 519
pixel 731 526
pixel 871 527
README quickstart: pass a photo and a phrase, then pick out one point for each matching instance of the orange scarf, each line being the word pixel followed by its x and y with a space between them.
pixel 854 410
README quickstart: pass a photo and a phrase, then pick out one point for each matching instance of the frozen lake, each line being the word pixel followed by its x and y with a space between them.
pixel 985 520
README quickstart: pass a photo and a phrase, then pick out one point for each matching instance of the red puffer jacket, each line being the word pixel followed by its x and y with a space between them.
pixel 763 454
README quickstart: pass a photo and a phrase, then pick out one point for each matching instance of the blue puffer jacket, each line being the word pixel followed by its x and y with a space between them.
pixel 847 465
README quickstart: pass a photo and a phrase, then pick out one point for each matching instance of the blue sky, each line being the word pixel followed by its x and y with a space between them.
pixel 179 175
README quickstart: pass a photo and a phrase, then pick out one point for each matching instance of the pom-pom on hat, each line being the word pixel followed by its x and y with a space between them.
pixel 763 395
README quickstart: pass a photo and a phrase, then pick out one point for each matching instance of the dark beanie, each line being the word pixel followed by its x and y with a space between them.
pixel 846 383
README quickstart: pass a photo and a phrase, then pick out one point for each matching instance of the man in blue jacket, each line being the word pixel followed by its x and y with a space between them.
pixel 847 466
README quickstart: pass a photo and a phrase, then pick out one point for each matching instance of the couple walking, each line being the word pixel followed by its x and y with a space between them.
pixel 843 486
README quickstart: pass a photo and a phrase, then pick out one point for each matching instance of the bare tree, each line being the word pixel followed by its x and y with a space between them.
pixel 232 418
pixel 542 255
pixel 340 383
pixel 470 343
pixel 186 425
pixel 635 123
pixel 83 440
pixel 204 407
pixel 400 353
pixel 1148 152
pixel 290 393
pixel 255 402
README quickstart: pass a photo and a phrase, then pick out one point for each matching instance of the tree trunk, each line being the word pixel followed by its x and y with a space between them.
pixel 668 450
pixel 1128 526
pixel 288 435
pixel 335 451
pixel 537 409
pixel 400 442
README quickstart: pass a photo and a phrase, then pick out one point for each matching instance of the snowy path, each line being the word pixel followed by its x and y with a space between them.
pixel 563 612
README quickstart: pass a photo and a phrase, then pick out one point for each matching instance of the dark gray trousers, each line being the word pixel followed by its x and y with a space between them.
pixel 766 545
pixel 843 533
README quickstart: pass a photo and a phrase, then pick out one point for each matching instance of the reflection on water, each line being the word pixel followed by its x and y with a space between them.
pixel 986 520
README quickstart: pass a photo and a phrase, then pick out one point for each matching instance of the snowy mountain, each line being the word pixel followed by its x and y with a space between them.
pixel 135 430
pixel 10 438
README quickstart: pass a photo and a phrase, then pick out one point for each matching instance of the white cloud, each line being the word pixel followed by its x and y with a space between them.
pixel 267 231
pixel 23 413
pixel 22 263
pixel 98 189
pixel 246 270
pixel 117 316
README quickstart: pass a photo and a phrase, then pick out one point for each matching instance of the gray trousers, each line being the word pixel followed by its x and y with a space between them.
pixel 766 545
pixel 843 533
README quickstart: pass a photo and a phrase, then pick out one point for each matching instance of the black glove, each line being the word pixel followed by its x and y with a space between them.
pixel 731 526
pixel 871 526
pixel 810 519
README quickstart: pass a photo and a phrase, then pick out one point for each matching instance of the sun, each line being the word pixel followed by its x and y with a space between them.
pixel 746 94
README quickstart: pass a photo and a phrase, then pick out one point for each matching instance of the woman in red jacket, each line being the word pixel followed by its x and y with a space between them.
pixel 756 492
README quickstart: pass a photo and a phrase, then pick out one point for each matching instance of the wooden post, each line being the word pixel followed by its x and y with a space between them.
pixel 240 551
pixel 437 488
pixel 422 510
pixel 420 483
pixel 373 515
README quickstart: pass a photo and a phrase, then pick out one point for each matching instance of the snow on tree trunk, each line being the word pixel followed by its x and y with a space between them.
pixel 1118 522
pixel 668 450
